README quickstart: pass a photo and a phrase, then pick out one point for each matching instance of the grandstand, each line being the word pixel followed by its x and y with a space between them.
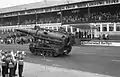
pixel 85 15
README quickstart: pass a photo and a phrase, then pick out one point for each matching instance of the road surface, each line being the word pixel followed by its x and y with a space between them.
pixel 100 60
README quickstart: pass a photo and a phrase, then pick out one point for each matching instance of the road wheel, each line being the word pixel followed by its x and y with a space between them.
pixel 67 50
pixel 35 53
pixel 38 52
pixel 47 53
pixel 55 54
pixel 32 51
pixel 50 54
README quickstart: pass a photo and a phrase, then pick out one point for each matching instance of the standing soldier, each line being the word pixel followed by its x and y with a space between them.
pixel 15 64
pixel 3 62
pixel 11 61
pixel 7 63
pixel 20 57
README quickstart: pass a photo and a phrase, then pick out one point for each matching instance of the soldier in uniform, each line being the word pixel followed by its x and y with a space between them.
pixel 20 57
pixel 15 64
pixel 3 62
pixel 11 62
pixel 7 63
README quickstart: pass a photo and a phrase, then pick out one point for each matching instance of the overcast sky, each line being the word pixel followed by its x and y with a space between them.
pixel 9 3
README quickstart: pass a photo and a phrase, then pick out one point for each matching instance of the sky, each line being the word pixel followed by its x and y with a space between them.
pixel 9 3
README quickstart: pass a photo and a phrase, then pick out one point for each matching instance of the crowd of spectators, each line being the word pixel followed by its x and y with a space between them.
pixel 105 16
pixel 66 18
pixel 52 19
pixel 9 22
pixel 94 17
pixel 83 35
pixel 12 38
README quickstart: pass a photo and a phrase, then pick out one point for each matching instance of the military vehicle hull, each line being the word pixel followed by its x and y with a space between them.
pixel 47 50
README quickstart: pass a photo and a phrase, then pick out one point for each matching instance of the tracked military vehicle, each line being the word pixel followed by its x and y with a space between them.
pixel 49 42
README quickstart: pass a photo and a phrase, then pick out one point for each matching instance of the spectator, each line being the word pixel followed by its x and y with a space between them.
pixel 79 34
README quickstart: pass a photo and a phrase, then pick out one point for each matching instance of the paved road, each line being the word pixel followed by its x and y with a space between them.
pixel 101 60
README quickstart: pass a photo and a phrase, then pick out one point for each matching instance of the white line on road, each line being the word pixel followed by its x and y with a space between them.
pixel 55 65
pixel 89 53
pixel 116 60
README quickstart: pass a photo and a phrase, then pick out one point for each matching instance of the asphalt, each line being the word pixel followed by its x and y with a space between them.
pixel 83 61
pixel 39 70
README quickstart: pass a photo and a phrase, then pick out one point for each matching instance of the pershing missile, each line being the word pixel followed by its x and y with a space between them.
pixel 37 33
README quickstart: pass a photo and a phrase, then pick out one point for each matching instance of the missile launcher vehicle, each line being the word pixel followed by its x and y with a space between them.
pixel 49 42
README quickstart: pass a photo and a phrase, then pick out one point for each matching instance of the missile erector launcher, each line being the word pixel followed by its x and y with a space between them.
pixel 49 42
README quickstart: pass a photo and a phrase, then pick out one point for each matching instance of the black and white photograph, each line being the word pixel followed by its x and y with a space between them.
pixel 60 38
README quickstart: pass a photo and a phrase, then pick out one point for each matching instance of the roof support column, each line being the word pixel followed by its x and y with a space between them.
pixel 18 23
pixel 71 29
pixel 36 17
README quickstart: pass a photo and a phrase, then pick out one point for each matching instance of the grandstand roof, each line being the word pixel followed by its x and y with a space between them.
pixel 41 4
